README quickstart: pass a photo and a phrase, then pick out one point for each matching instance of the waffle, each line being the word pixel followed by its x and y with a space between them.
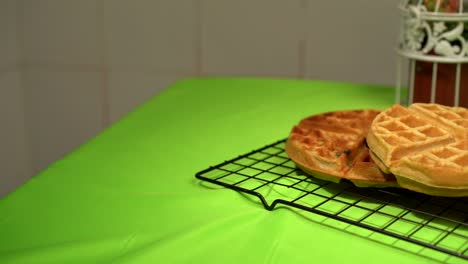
pixel 331 146
pixel 425 146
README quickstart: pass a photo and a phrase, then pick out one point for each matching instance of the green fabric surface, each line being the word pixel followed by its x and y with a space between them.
pixel 129 195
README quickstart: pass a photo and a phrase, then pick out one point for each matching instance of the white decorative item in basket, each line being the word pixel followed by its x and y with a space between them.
pixel 434 40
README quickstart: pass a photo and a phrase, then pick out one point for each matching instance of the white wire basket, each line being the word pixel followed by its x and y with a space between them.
pixel 433 43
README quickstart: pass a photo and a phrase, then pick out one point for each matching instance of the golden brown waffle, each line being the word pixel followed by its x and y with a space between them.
pixel 331 146
pixel 425 146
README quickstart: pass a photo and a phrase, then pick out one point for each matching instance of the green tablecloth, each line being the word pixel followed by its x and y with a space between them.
pixel 129 195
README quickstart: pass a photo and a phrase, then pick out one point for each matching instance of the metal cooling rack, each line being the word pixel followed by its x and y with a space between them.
pixel 438 223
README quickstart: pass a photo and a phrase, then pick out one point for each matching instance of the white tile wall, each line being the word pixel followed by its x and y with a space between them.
pixel 252 38
pixel 15 165
pixel 81 64
pixel 159 35
pixel 8 37
pixel 60 31
pixel 63 110
pixel 352 40
pixel 14 156
pixel 127 90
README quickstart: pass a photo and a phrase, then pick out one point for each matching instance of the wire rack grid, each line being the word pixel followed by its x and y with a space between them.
pixel 438 223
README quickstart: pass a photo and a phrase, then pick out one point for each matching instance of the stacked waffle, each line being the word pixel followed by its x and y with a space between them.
pixel 423 148
pixel 331 146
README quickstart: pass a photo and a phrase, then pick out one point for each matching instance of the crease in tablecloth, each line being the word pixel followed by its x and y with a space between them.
pixel 166 247
pixel 116 248
pixel 75 251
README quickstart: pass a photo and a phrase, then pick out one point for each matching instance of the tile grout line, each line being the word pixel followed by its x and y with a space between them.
pixel 105 98
pixel 62 67
pixel 65 67
pixel 20 35
pixel 103 67
pixel 11 67
pixel 301 59
pixel 20 66
pixel 198 37
pixel 302 45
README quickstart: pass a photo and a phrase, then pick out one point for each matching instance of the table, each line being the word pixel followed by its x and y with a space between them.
pixel 129 195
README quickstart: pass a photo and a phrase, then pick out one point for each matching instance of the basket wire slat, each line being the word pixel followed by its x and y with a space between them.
pixel 429 35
